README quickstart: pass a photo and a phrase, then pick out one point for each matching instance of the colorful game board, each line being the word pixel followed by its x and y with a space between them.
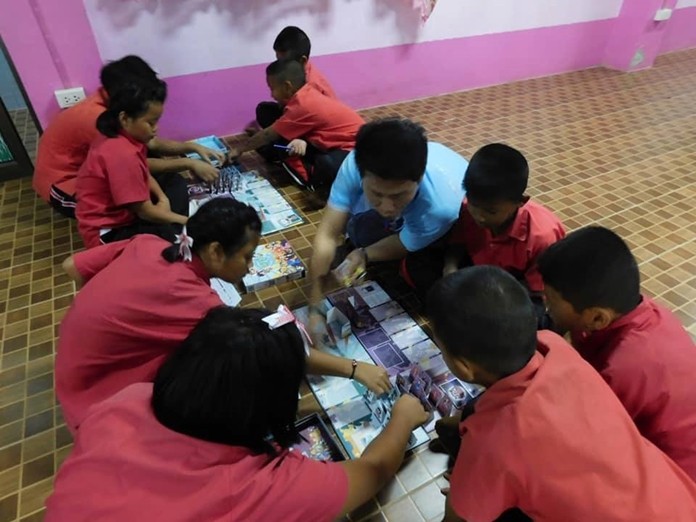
pixel 274 263
pixel 251 188
pixel 316 440
pixel 365 324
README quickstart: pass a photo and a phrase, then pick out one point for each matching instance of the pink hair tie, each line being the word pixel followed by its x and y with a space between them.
pixel 185 243
pixel 284 316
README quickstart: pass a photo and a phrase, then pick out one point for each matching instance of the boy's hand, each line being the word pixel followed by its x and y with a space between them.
pixel 252 128
pixel 409 409
pixel 374 378
pixel 233 154
pixel 208 155
pixel 204 171
pixel 297 147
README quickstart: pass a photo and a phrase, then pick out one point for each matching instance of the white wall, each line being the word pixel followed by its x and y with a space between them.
pixel 190 36
pixel 686 3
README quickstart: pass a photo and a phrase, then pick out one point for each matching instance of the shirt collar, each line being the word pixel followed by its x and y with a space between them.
pixel 198 268
pixel 137 144
pixel 598 339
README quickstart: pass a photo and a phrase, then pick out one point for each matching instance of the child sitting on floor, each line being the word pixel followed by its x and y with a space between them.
pixel 498 224
pixel 548 439
pixel 117 197
pixel 211 439
pixel 142 297
pixel 319 129
pixel 592 286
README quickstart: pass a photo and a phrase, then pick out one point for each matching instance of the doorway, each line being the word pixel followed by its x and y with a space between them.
pixel 19 128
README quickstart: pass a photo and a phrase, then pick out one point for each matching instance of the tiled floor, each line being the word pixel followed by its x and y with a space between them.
pixel 605 147
pixel 26 128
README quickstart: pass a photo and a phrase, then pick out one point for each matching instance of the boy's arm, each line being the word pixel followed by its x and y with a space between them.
pixel 261 138
pixel 179 148
pixel 204 171
pixel 453 257
pixel 375 378
pixel 382 458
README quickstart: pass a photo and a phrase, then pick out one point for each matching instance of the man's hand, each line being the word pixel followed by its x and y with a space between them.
pixel 204 171
pixel 374 378
pixel 297 147
pixel 208 155
pixel 409 409
pixel 352 267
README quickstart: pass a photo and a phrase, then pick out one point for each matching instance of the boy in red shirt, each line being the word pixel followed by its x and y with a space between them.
pixel 592 286
pixel 498 224
pixel 64 145
pixel 548 439
pixel 320 130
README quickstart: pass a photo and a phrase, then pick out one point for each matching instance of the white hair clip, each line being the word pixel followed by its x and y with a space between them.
pixel 185 243
pixel 284 316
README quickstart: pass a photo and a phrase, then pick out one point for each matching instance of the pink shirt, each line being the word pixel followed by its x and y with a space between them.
pixel 126 466
pixel 553 440
pixel 134 309
pixel 534 229
pixel 649 360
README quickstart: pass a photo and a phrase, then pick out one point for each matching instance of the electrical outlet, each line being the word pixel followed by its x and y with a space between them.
pixel 69 97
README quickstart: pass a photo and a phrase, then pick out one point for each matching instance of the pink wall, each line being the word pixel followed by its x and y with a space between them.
pixel 52 45
pixel 681 31
pixel 381 76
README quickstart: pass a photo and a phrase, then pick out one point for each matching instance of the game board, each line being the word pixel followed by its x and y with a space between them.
pixel 365 324
pixel 316 440
pixel 251 188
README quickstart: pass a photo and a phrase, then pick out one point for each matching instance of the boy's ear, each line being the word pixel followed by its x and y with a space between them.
pixel 462 369
pixel 597 318
pixel 303 60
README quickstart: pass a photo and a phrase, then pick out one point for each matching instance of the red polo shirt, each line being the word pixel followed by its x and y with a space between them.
pixel 315 78
pixel 324 122
pixel 553 440
pixel 649 360
pixel 114 175
pixel 64 145
pixel 126 466
pixel 134 309
pixel 533 230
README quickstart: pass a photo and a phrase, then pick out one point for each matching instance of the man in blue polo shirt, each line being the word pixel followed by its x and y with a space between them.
pixel 394 195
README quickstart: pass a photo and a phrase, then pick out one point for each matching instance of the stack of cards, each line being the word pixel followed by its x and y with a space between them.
pixel 316 441
pixel 274 263
pixel 212 142
pixel 251 188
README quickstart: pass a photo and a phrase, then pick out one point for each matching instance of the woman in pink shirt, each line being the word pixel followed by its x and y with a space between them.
pixel 210 439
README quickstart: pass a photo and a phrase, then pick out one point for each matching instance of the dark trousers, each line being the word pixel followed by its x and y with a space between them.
pixel 174 186
pixel 63 202
pixel 321 166
pixel 423 269
pixel 451 440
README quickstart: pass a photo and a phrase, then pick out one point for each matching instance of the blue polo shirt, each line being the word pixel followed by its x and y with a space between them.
pixel 431 213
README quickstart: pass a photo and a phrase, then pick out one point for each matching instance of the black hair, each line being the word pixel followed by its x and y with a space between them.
pixel 131 67
pixel 133 98
pixel 287 70
pixel 592 267
pixel 225 220
pixel 484 315
pixel 496 172
pixel 392 149
pixel 233 381
pixel 294 41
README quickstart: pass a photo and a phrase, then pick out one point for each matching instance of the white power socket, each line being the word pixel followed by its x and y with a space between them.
pixel 69 97
pixel 663 14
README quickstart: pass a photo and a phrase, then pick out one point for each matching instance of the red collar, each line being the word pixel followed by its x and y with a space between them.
pixel 590 341
pixel 198 268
